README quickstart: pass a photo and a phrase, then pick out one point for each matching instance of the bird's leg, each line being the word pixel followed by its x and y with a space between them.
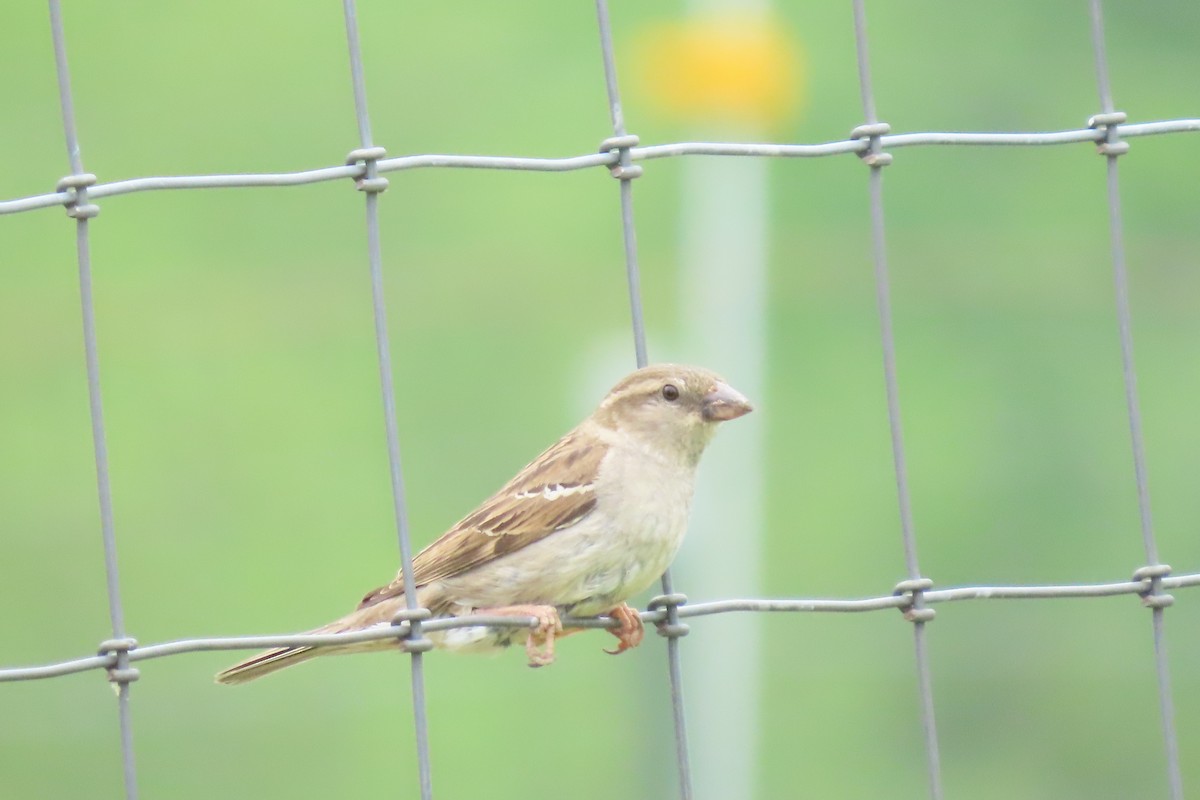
pixel 540 644
pixel 631 631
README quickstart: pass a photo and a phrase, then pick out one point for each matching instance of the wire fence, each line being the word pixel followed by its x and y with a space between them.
pixel 914 597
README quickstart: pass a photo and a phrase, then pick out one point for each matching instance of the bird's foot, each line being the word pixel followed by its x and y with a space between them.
pixel 631 632
pixel 539 647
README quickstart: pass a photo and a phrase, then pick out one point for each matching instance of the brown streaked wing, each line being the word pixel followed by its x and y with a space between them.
pixel 513 517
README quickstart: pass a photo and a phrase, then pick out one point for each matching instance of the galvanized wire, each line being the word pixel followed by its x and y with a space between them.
pixel 896 600
pixel 624 170
pixel 373 185
pixel 79 208
pixel 914 587
pixel 619 154
pixel 605 159
pixel 1112 148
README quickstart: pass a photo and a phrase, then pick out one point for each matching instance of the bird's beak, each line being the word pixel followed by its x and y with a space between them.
pixel 724 403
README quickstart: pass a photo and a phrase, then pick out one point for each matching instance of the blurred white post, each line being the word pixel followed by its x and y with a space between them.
pixel 723 292
pixel 723 285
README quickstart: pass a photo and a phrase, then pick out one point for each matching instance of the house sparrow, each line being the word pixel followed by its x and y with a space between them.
pixel 588 524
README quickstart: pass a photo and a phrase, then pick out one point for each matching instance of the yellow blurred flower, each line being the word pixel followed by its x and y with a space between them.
pixel 725 68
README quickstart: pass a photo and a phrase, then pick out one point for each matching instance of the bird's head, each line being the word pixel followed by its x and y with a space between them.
pixel 672 407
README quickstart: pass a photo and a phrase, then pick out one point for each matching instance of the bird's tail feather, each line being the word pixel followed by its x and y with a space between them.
pixel 264 664
pixel 269 661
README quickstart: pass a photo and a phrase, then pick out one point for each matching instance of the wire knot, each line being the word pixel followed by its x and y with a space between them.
pixel 1152 575
pixel 413 641
pixel 670 627
pixel 120 672
pixel 1111 145
pixel 873 155
pixel 622 169
pixel 116 646
pixel 76 188
pixel 913 590
pixel 369 181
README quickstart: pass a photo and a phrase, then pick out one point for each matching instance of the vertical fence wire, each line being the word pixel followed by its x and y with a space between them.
pixel 1112 149
pixel 629 233
pixel 919 615
pixel 372 185
pixel 626 172
pixel 81 210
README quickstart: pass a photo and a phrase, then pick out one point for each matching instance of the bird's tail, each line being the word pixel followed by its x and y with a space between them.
pixel 269 661
pixel 265 663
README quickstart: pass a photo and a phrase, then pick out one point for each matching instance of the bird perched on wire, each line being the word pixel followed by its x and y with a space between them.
pixel 589 523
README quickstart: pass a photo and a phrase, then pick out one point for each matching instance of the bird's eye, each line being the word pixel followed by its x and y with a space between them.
pixel 670 393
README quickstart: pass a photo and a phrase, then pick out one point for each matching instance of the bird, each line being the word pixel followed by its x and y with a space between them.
pixel 591 522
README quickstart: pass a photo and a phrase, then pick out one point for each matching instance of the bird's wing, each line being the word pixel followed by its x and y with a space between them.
pixel 554 491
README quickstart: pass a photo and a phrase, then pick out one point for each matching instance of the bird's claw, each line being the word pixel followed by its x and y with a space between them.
pixel 539 646
pixel 631 631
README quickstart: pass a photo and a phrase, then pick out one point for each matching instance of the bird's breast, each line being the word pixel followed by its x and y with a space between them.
pixel 612 553
pixel 642 508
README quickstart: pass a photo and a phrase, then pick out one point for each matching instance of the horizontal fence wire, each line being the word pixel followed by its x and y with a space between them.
pixel 901 601
pixel 606 159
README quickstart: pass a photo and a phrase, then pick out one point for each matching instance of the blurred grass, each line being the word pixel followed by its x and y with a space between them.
pixel 250 481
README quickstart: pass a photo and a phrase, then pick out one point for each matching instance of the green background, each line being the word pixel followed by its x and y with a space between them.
pixel 249 471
